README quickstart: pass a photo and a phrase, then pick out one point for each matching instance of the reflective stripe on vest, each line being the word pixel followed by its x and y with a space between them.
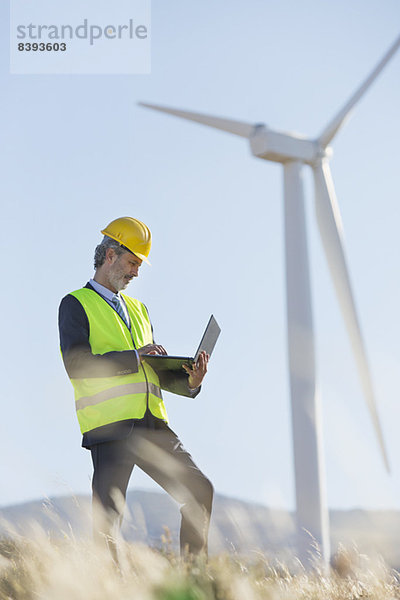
pixel 120 390
pixel 103 400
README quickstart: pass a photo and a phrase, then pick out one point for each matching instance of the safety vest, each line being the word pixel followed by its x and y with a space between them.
pixel 103 400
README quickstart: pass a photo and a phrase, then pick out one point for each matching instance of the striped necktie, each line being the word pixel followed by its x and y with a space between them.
pixel 118 307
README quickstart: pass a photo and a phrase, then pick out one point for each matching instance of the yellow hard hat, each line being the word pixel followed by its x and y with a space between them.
pixel 131 233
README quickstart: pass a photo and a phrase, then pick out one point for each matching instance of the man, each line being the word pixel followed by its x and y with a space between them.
pixel 104 336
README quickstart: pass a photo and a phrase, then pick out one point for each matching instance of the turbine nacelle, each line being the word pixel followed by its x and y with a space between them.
pixel 282 147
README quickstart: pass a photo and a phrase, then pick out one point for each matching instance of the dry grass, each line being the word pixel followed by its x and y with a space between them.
pixel 70 569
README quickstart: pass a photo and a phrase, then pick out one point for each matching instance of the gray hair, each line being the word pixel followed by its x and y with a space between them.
pixel 100 252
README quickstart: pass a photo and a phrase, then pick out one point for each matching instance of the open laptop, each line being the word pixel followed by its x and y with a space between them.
pixel 165 362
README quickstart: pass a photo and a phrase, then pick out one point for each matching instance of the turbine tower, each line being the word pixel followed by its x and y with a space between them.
pixel 293 152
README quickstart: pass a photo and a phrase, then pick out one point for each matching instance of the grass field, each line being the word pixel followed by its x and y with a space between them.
pixel 70 569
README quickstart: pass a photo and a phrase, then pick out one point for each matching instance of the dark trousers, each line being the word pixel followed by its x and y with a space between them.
pixel 160 454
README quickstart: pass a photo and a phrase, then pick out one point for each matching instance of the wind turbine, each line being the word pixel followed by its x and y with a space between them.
pixel 293 152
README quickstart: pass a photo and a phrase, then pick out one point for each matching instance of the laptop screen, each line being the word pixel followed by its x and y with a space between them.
pixel 209 338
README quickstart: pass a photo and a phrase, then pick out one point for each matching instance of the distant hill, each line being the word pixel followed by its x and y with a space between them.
pixel 236 525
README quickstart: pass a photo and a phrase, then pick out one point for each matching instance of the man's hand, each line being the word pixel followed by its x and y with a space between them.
pixel 151 349
pixel 198 370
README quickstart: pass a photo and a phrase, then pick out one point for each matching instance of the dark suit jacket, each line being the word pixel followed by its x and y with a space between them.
pixel 81 363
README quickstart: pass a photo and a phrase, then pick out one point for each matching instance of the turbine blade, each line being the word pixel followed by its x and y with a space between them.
pixel 331 230
pixel 236 127
pixel 333 127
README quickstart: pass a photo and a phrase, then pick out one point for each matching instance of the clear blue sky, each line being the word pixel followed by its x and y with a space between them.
pixel 77 152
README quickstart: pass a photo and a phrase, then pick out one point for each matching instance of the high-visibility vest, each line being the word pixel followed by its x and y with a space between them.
pixel 103 400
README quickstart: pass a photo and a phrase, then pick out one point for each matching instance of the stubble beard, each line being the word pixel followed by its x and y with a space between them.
pixel 119 280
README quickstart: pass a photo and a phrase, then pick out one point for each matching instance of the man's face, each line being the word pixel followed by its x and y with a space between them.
pixel 123 269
